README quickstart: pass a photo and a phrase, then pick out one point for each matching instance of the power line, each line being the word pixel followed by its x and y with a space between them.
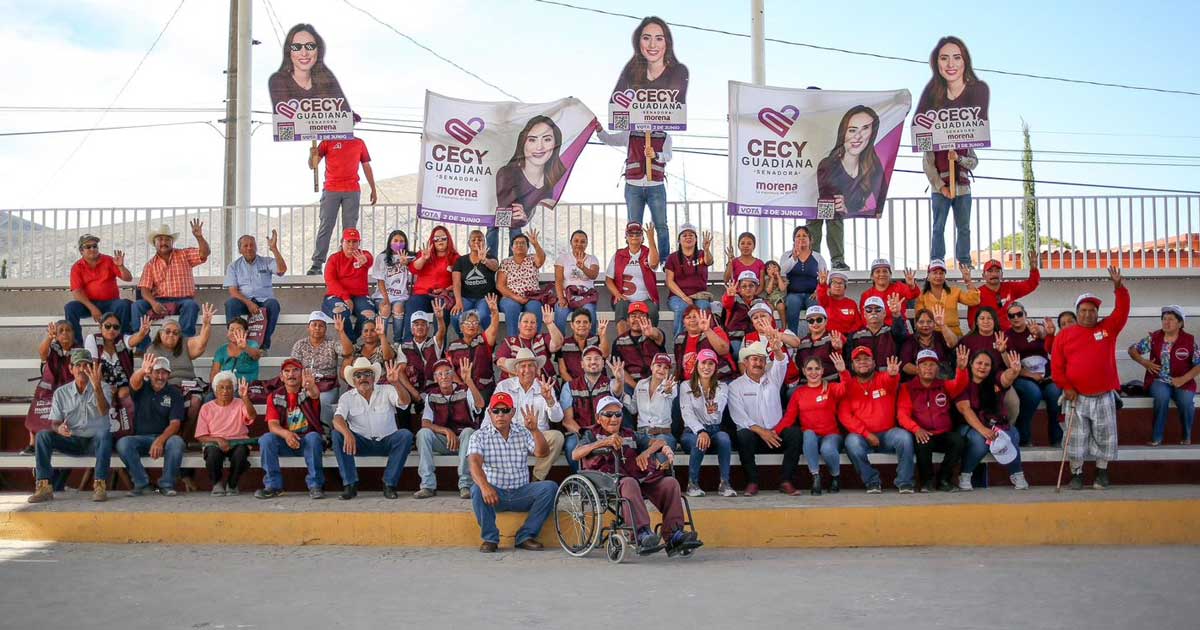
pixel 55 109
pixel 91 129
pixel 874 55
pixel 276 25
pixel 430 50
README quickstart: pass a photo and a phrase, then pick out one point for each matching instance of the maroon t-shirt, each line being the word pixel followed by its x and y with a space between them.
pixel 691 274
pixel 1026 344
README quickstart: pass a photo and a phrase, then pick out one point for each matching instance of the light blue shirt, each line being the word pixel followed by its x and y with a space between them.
pixel 253 279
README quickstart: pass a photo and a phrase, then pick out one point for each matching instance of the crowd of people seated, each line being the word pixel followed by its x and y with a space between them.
pixel 783 362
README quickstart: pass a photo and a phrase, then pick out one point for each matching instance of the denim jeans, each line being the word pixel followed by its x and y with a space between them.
pixel 678 306
pixel 644 437
pixel 430 443
pixel 131 448
pixel 570 441
pixel 823 447
pixel 797 304
pixel 716 438
pixel 513 309
pixel 271 446
pixel 536 498
pixel 978 448
pixel 47 442
pixel 74 312
pixel 962 227
pixel 1185 403
pixel 398 321
pixel 636 200
pixel 416 303
pixel 562 313
pixel 363 309
pixel 189 311
pixel 479 305
pixel 894 440
pixel 395 446
pixel 492 238
pixel 331 201
pixel 1031 394
pixel 235 308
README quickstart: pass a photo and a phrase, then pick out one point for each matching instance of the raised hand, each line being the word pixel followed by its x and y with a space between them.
pixel 729 253
pixel 439 309
pixel 197 228
pixel 94 373
pixel 602 327
pixel 910 277
pixel 963 356
pixel 380 323
pixel 617 367
pixel 1114 274
pixel 895 304
pixel 649 229
pixel 339 322
pixel 144 326
pixel 1048 324
pixel 237 337
pixel 893 366
pixel 493 303
pixel 1001 342
pixel 939 316
pixel 533 236
pixel 118 258
pixel 530 417
pixel 706 322
pixel 1013 360
pixel 823 277
pixel 393 369
pixel 206 313
pixel 838 362
pixel 708 239
pixel 547 386
pixel 273 240
pixel 837 340
pixel 51 330
pixel 308 379
pixel 243 388
pixel 148 362
pixel 668 384
pixel 464 369
pixel 547 314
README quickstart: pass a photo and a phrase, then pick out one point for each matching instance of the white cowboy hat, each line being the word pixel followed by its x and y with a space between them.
pixel 163 230
pixel 360 364
pixel 523 355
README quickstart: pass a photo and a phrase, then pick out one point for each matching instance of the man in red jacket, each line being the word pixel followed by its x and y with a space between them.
pixel 868 411
pixel 923 408
pixel 347 291
pixel 1084 365
pixel 998 294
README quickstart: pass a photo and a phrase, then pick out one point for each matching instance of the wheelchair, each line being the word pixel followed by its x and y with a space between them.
pixel 581 517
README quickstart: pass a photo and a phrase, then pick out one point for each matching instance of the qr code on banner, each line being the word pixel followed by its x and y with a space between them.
pixel 925 142
pixel 620 121
pixel 824 209
pixel 504 217
pixel 285 132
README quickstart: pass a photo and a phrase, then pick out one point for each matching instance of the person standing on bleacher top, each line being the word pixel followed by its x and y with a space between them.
pixel 79 415
pixel 94 286
pixel 249 282
pixel 342 189
pixel 167 279
pixel 1084 365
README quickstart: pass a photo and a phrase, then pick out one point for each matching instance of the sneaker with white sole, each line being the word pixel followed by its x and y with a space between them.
pixel 964 482
pixel 727 490
pixel 218 489
pixel 1018 481
pixel 694 490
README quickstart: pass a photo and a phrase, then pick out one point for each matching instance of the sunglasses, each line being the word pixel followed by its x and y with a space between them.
pixel 610 414
pixel 502 411
pixel 439 239
pixel 304 46
pixel 815 320
pixel 872 309
pixel 112 327
pixel 92 246
pixel 1016 315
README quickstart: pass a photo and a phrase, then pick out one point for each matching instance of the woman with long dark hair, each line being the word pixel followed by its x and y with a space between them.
pixel 529 178
pixel 303 73
pixel 852 174
pixel 393 282
pixel 981 410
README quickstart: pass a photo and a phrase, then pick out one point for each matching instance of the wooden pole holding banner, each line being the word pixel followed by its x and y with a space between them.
pixel 953 174
pixel 649 172
pixel 316 176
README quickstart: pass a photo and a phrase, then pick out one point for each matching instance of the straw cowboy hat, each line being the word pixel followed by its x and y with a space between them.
pixel 523 355
pixel 360 364
pixel 163 230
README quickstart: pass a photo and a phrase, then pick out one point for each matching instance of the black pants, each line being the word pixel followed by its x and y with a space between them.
pixel 951 443
pixel 239 462
pixel 749 443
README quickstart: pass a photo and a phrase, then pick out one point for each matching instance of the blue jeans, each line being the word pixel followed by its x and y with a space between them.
pixel 796 304
pixel 235 308
pixel 570 441
pixel 562 313
pixel 429 444
pixel 962 227
pixel 977 449
pixel 717 438
pixel 492 238
pixel 75 312
pixel 398 322
pixel 828 448
pixel 479 306
pixel 416 303
pixel 636 200
pixel 47 442
pixel 536 498
pixel 395 446
pixel 678 306
pixel 363 309
pixel 1031 395
pixel 189 311
pixel 1185 402
pixel 131 448
pixel 894 440
pixel 513 309
pixel 271 446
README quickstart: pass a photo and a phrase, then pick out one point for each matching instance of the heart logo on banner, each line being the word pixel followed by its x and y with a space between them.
pixel 925 120
pixel 464 132
pixel 624 99
pixel 287 108
pixel 779 121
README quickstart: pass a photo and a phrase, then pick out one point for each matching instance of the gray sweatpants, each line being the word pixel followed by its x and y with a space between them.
pixel 330 202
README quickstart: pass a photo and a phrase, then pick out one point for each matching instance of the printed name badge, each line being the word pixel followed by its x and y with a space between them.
pixel 821 399
pixel 877 393
pixel 1099 336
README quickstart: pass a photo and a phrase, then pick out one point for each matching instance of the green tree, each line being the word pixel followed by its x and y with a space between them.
pixel 1029 220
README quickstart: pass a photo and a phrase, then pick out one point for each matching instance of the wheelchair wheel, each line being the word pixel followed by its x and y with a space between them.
pixel 616 548
pixel 578 516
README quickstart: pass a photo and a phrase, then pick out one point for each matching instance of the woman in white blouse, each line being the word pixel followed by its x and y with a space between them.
pixel 702 403
pixel 652 400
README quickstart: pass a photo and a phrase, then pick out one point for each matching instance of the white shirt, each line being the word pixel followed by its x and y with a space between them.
pixel 532 396
pixel 374 419
pixel 396 279
pixel 758 403
pixel 652 413
pixel 694 409
pixel 573 276
pixel 631 282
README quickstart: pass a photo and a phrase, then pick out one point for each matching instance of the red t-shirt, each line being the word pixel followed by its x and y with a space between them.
pixel 1084 359
pixel 342 158
pixel 437 274
pixel 343 279
pixel 98 283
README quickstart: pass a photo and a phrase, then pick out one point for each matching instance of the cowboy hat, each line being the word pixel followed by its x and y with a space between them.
pixel 523 355
pixel 163 230
pixel 360 364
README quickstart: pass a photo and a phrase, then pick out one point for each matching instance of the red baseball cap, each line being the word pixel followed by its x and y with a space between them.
pixel 290 362
pixel 350 234
pixel 639 307
pixel 501 398
pixel 993 264
pixel 633 227
pixel 860 350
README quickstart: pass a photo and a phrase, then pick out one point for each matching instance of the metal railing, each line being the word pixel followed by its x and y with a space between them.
pixel 1075 232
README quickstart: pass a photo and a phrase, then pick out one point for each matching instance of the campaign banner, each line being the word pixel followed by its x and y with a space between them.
pixel 498 163
pixel 651 91
pixel 963 125
pixel 812 154
pixel 307 102
pixel 648 110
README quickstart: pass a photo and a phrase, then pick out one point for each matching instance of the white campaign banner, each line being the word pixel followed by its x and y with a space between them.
pixel 498 162
pixel 796 153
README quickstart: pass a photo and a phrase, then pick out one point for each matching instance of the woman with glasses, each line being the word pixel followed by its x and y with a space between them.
pixel 433 271
pixel 1034 385
pixel 302 73
pixel 181 351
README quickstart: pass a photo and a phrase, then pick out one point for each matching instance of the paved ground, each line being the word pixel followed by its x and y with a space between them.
pixel 148 586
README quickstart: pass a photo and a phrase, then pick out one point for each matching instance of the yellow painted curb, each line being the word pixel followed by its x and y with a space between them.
pixel 1153 522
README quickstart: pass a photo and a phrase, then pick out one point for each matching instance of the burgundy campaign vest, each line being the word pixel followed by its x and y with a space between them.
pixel 584 399
pixel 931 405
pixel 572 353
pixel 635 157
pixel 483 370
pixel 725 371
pixel 621 260
pixel 452 410
pixel 882 344
pixel 309 407
pixel 822 349
pixel 420 362
pixel 637 354
pixel 1181 357
pixel 539 345
pixel 737 318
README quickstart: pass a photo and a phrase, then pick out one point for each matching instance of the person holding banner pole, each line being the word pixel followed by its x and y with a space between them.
pixel 342 189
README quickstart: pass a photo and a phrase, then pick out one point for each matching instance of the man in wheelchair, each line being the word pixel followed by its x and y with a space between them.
pixel 644 470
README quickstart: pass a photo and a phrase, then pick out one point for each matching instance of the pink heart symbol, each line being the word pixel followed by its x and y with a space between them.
pixel 287 108
pixel 464 132
pixel 779 121
pixel 925 120
pixel 624 99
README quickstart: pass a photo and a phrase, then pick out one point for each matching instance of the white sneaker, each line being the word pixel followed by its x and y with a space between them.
pixel 694 490
pixel 727 490
pixel 1018 481
pixel 219 489
pixel 964 482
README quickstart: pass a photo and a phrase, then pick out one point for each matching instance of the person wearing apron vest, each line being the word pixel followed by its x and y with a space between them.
pixel 580 394
pixel 1171 357
pixel 294 429
pixel 451 415
pixel 476 346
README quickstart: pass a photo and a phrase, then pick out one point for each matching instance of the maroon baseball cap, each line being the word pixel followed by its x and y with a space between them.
pixel 290 362
pixel 633 227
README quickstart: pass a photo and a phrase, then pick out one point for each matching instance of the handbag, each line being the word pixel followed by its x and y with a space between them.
pixel 578 297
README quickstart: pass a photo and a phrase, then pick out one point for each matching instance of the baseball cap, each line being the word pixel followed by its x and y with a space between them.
pixel 839 274
pixel 607 401
pixel 1176 309
pixel 350 234
pixel 162 363
pixel 706 354
pixel 761 307
pixel 633 227
pixel 319 316
pixel 80 355
pixel 936 263
pixel 663 358
pixel 639 307
pixel 816 309
pixel 501 398
pixel 748 275
pixel 926 355
pixel 1088 297
pixel 88 238
pixel 992 264
pixel 591 349
pixel 874 300
pixel 881 263
pixel 861 350
pixel 291 362
pixel 421 315
pixel 688 227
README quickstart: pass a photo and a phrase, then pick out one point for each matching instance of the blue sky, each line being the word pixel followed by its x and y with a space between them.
pixel 79 53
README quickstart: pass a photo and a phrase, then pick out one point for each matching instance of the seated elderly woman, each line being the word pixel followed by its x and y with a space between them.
pixel 223 429
pixel 644 466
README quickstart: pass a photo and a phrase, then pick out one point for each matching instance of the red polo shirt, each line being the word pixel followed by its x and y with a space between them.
pixel 868 407
pixel 98 283
pixel 342 158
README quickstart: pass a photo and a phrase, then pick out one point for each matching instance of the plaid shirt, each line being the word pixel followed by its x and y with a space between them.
pixel 171 279
pixel 505 462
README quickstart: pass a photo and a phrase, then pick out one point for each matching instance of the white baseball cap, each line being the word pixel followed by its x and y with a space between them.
pixel 874 300
pixel 816 309
pixel 421 315
pixel 748 275
pixel 761 307
pixel 881 262
pixel 319 316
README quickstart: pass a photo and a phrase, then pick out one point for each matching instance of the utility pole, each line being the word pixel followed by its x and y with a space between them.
pixel 245 43
pixel 758 75
pixel 229 196
pixel 236 197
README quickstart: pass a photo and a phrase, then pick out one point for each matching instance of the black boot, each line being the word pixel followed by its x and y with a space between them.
pixel 349 492
pixel 816 485
pixel 835 485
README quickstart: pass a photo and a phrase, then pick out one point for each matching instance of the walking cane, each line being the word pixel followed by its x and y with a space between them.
pixel 1066 441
